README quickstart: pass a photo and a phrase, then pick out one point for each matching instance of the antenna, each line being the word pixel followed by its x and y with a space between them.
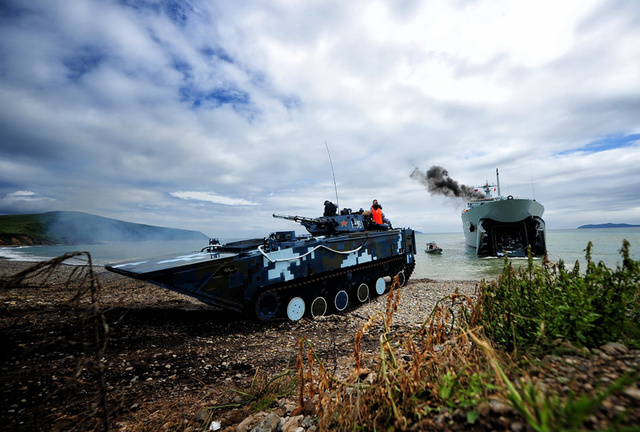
pixel 334 175
pixel 532 188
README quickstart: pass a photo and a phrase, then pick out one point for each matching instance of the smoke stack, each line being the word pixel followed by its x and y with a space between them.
pixel 438 182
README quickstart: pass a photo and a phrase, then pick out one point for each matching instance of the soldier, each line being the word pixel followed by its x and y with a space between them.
pixel 330 208
pixel 378 216
pixel 376 212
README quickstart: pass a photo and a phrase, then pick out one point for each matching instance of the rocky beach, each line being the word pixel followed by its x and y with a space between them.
pixel 79 343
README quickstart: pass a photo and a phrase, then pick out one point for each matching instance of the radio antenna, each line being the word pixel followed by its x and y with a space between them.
pixel 334 175
pixel 532 188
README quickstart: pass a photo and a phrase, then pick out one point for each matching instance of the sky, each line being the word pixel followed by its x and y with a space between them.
pixel 213 115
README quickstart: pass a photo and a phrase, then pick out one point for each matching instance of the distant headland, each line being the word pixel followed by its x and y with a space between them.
pixel 608 225
pixel 74 228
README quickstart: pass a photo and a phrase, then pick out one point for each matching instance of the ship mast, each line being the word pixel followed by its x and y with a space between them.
pixel 498 181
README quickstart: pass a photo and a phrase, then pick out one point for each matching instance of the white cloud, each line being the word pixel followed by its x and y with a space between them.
pixel 212 198
pixel 22 195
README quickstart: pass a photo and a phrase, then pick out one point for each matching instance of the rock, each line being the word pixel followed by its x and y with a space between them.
pixel 483 408
pixel 442 418
pixel 591 422
pixel 268 424
pixel 605 357
pixel 243 426
pixel 289 407
pixel 499 407
pixel 202 415
pixel 516 427
pixel 633 393
pixel 306 423
pixel 292 423
pixel 613 348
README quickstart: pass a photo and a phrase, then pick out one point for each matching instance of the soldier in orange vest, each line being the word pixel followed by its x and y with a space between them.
pixel 376 212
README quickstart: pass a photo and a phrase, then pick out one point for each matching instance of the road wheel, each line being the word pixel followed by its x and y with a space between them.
pixel 267 306
pixel 381 286
pixel 341 300
pixel 363 292
pixel 318 307
pixel 295 309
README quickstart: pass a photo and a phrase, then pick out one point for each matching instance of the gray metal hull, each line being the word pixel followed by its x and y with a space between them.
pixel 502 225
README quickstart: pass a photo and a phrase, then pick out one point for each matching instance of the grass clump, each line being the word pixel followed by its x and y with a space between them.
pixel 537 305
pixel 410 379
pixel 265 390
pixel 461 364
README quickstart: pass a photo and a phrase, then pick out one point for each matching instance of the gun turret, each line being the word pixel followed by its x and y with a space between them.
pixel 327 225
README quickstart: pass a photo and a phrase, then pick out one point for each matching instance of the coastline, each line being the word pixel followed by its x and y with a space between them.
pixel 417 298
pixel 422 293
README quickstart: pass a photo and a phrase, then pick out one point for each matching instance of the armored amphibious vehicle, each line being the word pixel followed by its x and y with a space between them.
pixel 341 263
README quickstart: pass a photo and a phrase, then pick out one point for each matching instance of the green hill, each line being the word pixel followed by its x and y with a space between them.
pixel 65 227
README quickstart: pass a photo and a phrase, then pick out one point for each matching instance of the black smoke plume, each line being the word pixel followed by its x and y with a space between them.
pixel 438 182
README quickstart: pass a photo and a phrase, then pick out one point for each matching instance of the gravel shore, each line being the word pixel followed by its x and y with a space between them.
pixel 164 343
pixel 170 358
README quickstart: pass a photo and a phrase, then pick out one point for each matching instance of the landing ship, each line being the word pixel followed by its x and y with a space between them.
pixel 344 261
pixel 501 225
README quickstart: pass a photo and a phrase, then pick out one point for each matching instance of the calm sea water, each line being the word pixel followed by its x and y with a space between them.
pixel 457 261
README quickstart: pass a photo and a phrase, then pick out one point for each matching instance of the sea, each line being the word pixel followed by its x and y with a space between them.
pixel 457 261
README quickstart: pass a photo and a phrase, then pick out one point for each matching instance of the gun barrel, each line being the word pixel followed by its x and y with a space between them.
pixel 281 216
pixel 297 218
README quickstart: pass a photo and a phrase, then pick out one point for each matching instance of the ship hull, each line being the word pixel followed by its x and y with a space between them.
pixel 496 227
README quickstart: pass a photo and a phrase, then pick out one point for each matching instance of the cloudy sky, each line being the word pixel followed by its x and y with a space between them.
pixel 212 115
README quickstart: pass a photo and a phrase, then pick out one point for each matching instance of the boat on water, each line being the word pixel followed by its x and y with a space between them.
pixel 433 248
pixel 501 225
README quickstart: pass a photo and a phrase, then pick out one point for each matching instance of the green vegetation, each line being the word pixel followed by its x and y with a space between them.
pixel 81 228
pixel 473 354
pixel 537 305
pixel 32 226
pixel 265 391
